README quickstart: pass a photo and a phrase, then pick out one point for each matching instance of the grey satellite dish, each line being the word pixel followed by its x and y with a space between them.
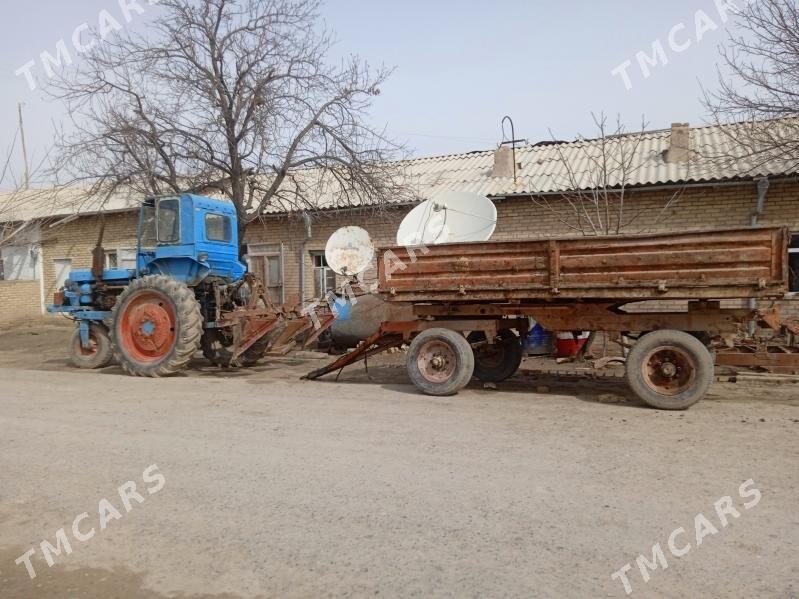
pixel 453 217
pixel 349 251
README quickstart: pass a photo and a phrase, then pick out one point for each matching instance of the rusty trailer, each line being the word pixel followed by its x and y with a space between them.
pixel 712 265
pixel 471 304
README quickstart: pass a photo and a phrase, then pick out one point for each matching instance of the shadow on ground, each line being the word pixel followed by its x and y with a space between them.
pixel 44 346
pixel 393 377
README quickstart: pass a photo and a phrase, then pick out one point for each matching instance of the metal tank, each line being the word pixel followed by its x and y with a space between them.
pixel 358 321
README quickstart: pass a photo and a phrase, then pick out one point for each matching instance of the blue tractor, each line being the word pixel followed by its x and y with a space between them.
pixel 188 292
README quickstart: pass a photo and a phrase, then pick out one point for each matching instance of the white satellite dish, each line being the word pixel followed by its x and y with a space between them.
pixel 453 217
pixel 349 251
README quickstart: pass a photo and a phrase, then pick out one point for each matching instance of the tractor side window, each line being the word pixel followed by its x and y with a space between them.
pixel 169 220
pixel 148 237
pixel 217 227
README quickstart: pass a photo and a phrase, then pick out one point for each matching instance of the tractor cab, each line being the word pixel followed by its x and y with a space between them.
pixel 189 238
pixel 187 292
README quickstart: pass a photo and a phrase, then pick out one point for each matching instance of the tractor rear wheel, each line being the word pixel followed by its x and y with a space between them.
pixel 157 326
pixel 99 353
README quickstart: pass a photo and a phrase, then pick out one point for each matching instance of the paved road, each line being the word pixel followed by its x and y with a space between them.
pixel 280 488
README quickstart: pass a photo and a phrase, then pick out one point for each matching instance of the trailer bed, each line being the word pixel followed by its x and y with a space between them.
pixel 749 263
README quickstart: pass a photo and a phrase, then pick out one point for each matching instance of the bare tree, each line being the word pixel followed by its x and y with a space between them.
pixel 234 97
pixel 22 208
pixel 758 84
pixel 598 174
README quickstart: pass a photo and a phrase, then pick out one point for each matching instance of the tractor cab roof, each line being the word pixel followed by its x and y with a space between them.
pixel 223 206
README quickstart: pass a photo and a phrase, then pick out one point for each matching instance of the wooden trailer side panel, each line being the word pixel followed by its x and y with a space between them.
pixel 740 263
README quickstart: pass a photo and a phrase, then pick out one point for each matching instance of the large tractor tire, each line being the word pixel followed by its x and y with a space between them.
pixel 494 363
pixel 216 349
pixel 670 370
pixel 440 362
pixel 157 326
pixel 99 353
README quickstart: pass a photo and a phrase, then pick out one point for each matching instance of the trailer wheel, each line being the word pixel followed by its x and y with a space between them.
pixel 498 362
pixel 216 348
pixel 99 353
pixel 440 362
pixel 670 370
pixel 157 326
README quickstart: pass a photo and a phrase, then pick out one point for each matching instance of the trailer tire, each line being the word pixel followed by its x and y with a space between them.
pixel 670 370
pixel 216 350
pixel 99 355
pixel 440 362
pixel 494 364
pixel 157 325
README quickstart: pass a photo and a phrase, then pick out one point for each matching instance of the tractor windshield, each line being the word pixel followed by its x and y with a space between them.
pixel 168 222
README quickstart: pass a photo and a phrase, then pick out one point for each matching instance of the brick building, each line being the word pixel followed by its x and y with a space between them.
pixel 678 182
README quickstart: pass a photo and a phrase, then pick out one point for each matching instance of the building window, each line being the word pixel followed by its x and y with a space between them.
pixel 217 227
pixel 121 258
pixel 126 258
pixel 62 267
pixel 19 263
pixel 324 279
pixel 793 263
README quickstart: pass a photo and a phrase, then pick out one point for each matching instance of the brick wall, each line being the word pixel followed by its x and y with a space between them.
pixel 712 207
pixel 19 301
pixel 382 227
pixel 76 240
pixel 522 218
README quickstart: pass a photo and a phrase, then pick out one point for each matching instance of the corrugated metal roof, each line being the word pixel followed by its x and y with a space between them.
pixel 60 202
pixel 556 167
pixel 562 167
pixel 544 168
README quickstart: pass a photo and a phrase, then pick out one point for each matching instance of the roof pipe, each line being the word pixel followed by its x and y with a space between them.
pixel 306 219
pixel 762 195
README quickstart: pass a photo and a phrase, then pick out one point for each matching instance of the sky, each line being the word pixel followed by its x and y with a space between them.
pixel 460 66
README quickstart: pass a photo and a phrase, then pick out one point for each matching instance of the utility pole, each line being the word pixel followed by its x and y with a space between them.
pixel 24 147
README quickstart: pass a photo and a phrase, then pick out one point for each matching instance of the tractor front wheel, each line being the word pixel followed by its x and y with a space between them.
pixel 99 352
pixel 157 326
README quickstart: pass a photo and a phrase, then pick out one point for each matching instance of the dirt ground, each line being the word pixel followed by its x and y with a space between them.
pixel 276 487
